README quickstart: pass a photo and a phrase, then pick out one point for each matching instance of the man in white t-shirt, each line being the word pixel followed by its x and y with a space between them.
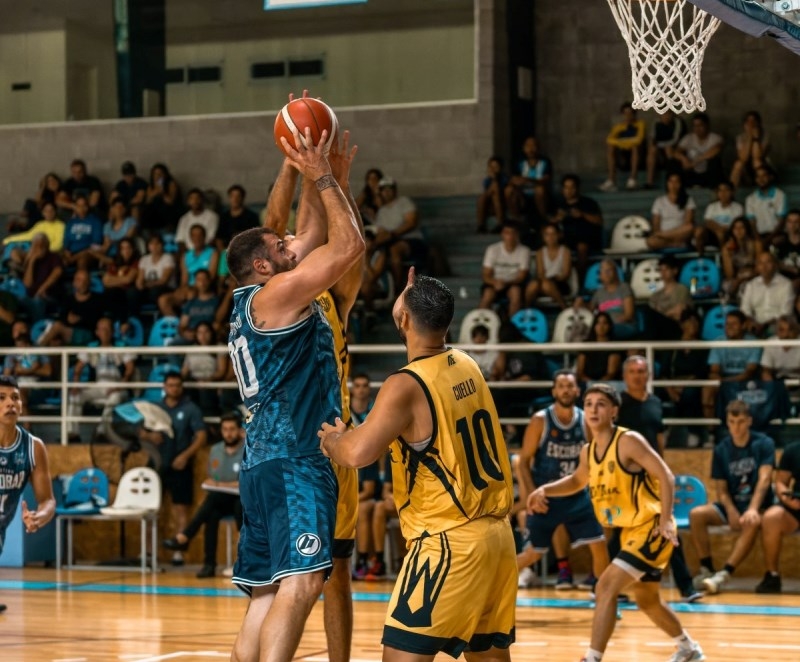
pixel 766 207
pixel 781 361
pixel 699 154
pixel 197 215
pixel 505 269
pixel 767 296
pixel 717 218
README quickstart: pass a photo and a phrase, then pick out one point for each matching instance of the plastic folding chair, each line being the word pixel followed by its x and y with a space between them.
pixel 532 324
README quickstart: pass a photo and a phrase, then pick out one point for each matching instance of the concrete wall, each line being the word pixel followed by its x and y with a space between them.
pixel 584 75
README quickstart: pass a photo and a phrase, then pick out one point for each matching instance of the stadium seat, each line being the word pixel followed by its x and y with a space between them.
pixel 478 317
pixel 164 331
pixel 96 284
pixel 86 493
pixel 628 236
pixel 646 278
pixel 714 322
pixel 706 277
pixel 532 324
pixel 6 255
pixel 38 328
pixel 566 321
pixel 14 286
pixel 690 492
pixel 134 337
pixel 592 280
pixel 170 245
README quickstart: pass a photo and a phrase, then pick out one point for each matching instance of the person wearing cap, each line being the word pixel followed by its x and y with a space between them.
pixel 397 223
pixel 131 189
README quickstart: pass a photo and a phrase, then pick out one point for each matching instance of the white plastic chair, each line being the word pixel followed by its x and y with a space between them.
pixel 479 317
pixel 566 321
pixel 138 493
pixel 646 278
pixel 628 235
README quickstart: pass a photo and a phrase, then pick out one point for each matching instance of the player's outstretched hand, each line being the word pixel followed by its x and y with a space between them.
pixel 329 433
pixel 308 158
pixel 668 531
pixel 537 501
pixel 341 159
pixel 30 518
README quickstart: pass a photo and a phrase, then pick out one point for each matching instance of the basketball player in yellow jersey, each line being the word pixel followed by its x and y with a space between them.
pixel 311 231
pixel 631 489
pixel 456 591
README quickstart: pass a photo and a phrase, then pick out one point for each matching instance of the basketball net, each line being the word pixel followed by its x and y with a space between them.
pixel 666 46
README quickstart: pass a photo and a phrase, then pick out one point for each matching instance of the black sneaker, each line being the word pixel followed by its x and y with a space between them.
pixel 691 595
pixel 770 584
pixel 206 571
pixel 174 545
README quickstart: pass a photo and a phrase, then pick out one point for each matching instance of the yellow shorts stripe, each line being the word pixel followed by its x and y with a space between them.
pixel 644 549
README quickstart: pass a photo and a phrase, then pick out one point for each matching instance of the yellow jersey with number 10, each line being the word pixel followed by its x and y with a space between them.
pixel 620 498
pixel 328 305
pixel 463 472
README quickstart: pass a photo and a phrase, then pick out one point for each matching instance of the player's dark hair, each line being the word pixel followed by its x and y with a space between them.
pixel 7 381
pixel 243 249
pixel 605 389
pixel 430 303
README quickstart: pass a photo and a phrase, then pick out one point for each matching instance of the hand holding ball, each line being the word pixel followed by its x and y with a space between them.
pixel 306 112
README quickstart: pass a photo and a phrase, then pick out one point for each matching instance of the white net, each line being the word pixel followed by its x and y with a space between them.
pixel 666 42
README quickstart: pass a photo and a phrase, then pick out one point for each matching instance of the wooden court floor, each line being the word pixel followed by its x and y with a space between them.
pixel 92 616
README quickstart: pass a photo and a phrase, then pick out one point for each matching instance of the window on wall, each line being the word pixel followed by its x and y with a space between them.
pixel 204 74
pixel 266 70
pixel 309 67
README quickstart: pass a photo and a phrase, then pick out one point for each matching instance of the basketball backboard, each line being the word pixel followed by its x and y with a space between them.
pixel 779 19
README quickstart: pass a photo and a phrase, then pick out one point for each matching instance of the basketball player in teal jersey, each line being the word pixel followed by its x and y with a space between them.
pixel 282 351
pixel 23 458
pixel 310 231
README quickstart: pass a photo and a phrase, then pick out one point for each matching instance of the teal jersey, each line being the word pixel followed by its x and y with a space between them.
pixel 288 379
pixel 16 464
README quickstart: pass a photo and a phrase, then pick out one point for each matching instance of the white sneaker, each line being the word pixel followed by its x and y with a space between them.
pixel 702 575
pixel 712 584
pixel 631 184
pixel 608 186
pixel 694 655
pixel 527 578
pixel 692 440
pixel 228 572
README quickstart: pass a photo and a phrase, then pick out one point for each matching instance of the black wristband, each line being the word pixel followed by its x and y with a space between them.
pixel 326 181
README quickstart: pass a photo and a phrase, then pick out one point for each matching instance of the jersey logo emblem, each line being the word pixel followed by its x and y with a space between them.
pixel 611 466
pixel 450 360
pixel 308 544
pixel 3 460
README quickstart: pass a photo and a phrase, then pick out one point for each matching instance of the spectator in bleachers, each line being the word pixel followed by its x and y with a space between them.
pixel 599 365
pixel 156 273
pixel 740 253
pixel 668 303
pixel 26 366
pixel 119 281
pixel 782 519
pixel 82 184
pixel 198 214
pixel 222 498
pixel 580 220
pixel 665 134
pixel 209 367
pixel 178 451
pixel 782 361
pixel 397 229
pixel 625 149
pixel 79 315
pixel 491 202
pixel 108 371
pixel 42 271
pixel 686 364
pixel 82 236
pixel 528 192
pixel 614 297
pixel 375 264
pixel 120 225
pixel 200 306
pixel 766 207
pixel 49 188
pixel 787 248
pixel 717 218
pixel 672 216
pixel 163 204
pixel 131 190
pixel 752 147
pixel 730 364
pixel 50 225
pixel 506 265
pixel 236 218
pixel 742 472
pixel 369 198
pixel 699 153
pixel 767 296
pixel 200 256
pixel 553 270
pixel 487 359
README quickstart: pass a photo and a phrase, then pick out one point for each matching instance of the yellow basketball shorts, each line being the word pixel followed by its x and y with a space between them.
pixel 346 512
pixel 644 553
pixel 456 591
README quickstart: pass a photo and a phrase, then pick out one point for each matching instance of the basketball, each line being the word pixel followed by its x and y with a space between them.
pixel 302 113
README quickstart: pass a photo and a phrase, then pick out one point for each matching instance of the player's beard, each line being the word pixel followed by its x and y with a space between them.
pixel 402 335
pixel 567 403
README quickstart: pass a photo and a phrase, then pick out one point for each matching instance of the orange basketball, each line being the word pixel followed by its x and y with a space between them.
pixel 302 113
